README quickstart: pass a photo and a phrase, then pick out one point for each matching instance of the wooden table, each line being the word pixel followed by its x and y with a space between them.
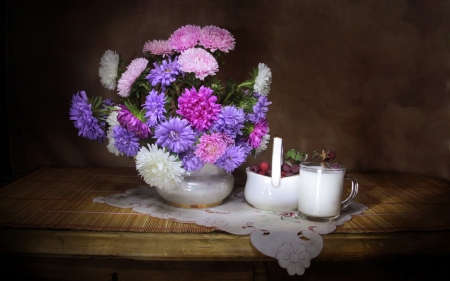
pixel 64 254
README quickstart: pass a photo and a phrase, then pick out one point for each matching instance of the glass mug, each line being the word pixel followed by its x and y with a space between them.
pixel 320 192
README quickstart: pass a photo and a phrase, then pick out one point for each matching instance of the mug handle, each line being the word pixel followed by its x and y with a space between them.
pixel 277 156
pixel 353 193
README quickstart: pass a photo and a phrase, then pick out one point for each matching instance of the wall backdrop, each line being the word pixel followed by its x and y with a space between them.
pixel 368 79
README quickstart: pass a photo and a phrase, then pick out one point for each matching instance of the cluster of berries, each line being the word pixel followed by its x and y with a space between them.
pixel 286 170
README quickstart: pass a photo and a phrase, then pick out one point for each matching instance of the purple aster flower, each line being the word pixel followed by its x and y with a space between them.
pixel 126 142
pixel 130 122
pixel 154 107
pixel 242 142
pixel 175 134
pixel 259 109
pixel 83 118
pixel 233 157
pixel 199 108
pixel 230 121
pixel 190 161
pixel 105 103
pixel 165 73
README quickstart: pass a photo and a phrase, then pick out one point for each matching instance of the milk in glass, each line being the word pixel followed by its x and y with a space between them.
pixel 320 192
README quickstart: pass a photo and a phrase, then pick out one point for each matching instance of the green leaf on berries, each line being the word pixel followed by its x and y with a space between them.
pixel 295 156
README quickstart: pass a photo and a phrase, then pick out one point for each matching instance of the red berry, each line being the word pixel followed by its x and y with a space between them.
pixel 254 168
pixel 264 166
pixel 262 173
pixel 269 172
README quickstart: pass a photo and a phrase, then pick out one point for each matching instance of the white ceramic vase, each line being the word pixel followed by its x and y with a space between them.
pixel 205 188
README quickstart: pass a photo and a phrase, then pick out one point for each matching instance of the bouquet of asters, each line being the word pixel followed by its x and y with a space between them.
pixel 174 115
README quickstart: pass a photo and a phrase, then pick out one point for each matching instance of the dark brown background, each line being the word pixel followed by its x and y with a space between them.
pixel 368 79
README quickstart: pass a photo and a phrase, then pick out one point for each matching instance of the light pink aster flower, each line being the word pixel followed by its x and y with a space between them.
pixel 199 108
pixel 210 148
pixel 259 131
pixel 130 75
pixel 213 38
pixel 184 38
pixel 157 47
pixel 198 61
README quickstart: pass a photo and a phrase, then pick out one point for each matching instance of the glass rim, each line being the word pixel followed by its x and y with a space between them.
pixel 314 167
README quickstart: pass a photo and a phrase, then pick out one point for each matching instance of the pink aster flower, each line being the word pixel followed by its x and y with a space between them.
pixel 198 61
pixel 210 148
pixel 259 131
pixel 184 38
pixel 199 108
pixel 158 47
pixel 213 38
pixel 130 75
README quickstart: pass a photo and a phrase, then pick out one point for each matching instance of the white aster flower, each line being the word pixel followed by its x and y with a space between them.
pixel 263 80
pixel 263 146
pixel 111 142
pixel 112 117
pixel 108 69
pixel 112 122
pixel 159 168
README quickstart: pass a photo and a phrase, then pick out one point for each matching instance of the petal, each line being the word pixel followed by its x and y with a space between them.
pixel 298 248
pixel 291 269
pixel 305 258
pixel 283 260
pixel 299 268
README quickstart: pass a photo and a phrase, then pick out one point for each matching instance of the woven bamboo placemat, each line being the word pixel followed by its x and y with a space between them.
pixel 61 198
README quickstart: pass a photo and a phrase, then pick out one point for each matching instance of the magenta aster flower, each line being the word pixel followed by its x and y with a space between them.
pixel 210 148
pixel 133 124
pixel 157 47
pixel 198 61
pixel 216 38
pixel 199 108
pixel 259 130
pixel 130 75
pixel 184 38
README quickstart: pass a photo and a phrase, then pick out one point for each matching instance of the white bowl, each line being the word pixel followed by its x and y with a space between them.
pixel 260 192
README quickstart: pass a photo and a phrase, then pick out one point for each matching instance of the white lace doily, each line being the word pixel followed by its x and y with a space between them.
pixel 284 236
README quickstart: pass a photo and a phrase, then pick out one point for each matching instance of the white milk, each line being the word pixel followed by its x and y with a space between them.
pixel 320 192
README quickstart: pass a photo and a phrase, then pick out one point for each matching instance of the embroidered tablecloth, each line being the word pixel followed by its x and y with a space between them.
pixel 284 236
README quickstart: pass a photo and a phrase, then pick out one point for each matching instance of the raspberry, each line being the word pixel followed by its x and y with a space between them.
pixel 283 173
pixel 285 167
pixel 295 169
pixel 289 174
pixel 264 166
pixel 254 168
pixel 262 173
